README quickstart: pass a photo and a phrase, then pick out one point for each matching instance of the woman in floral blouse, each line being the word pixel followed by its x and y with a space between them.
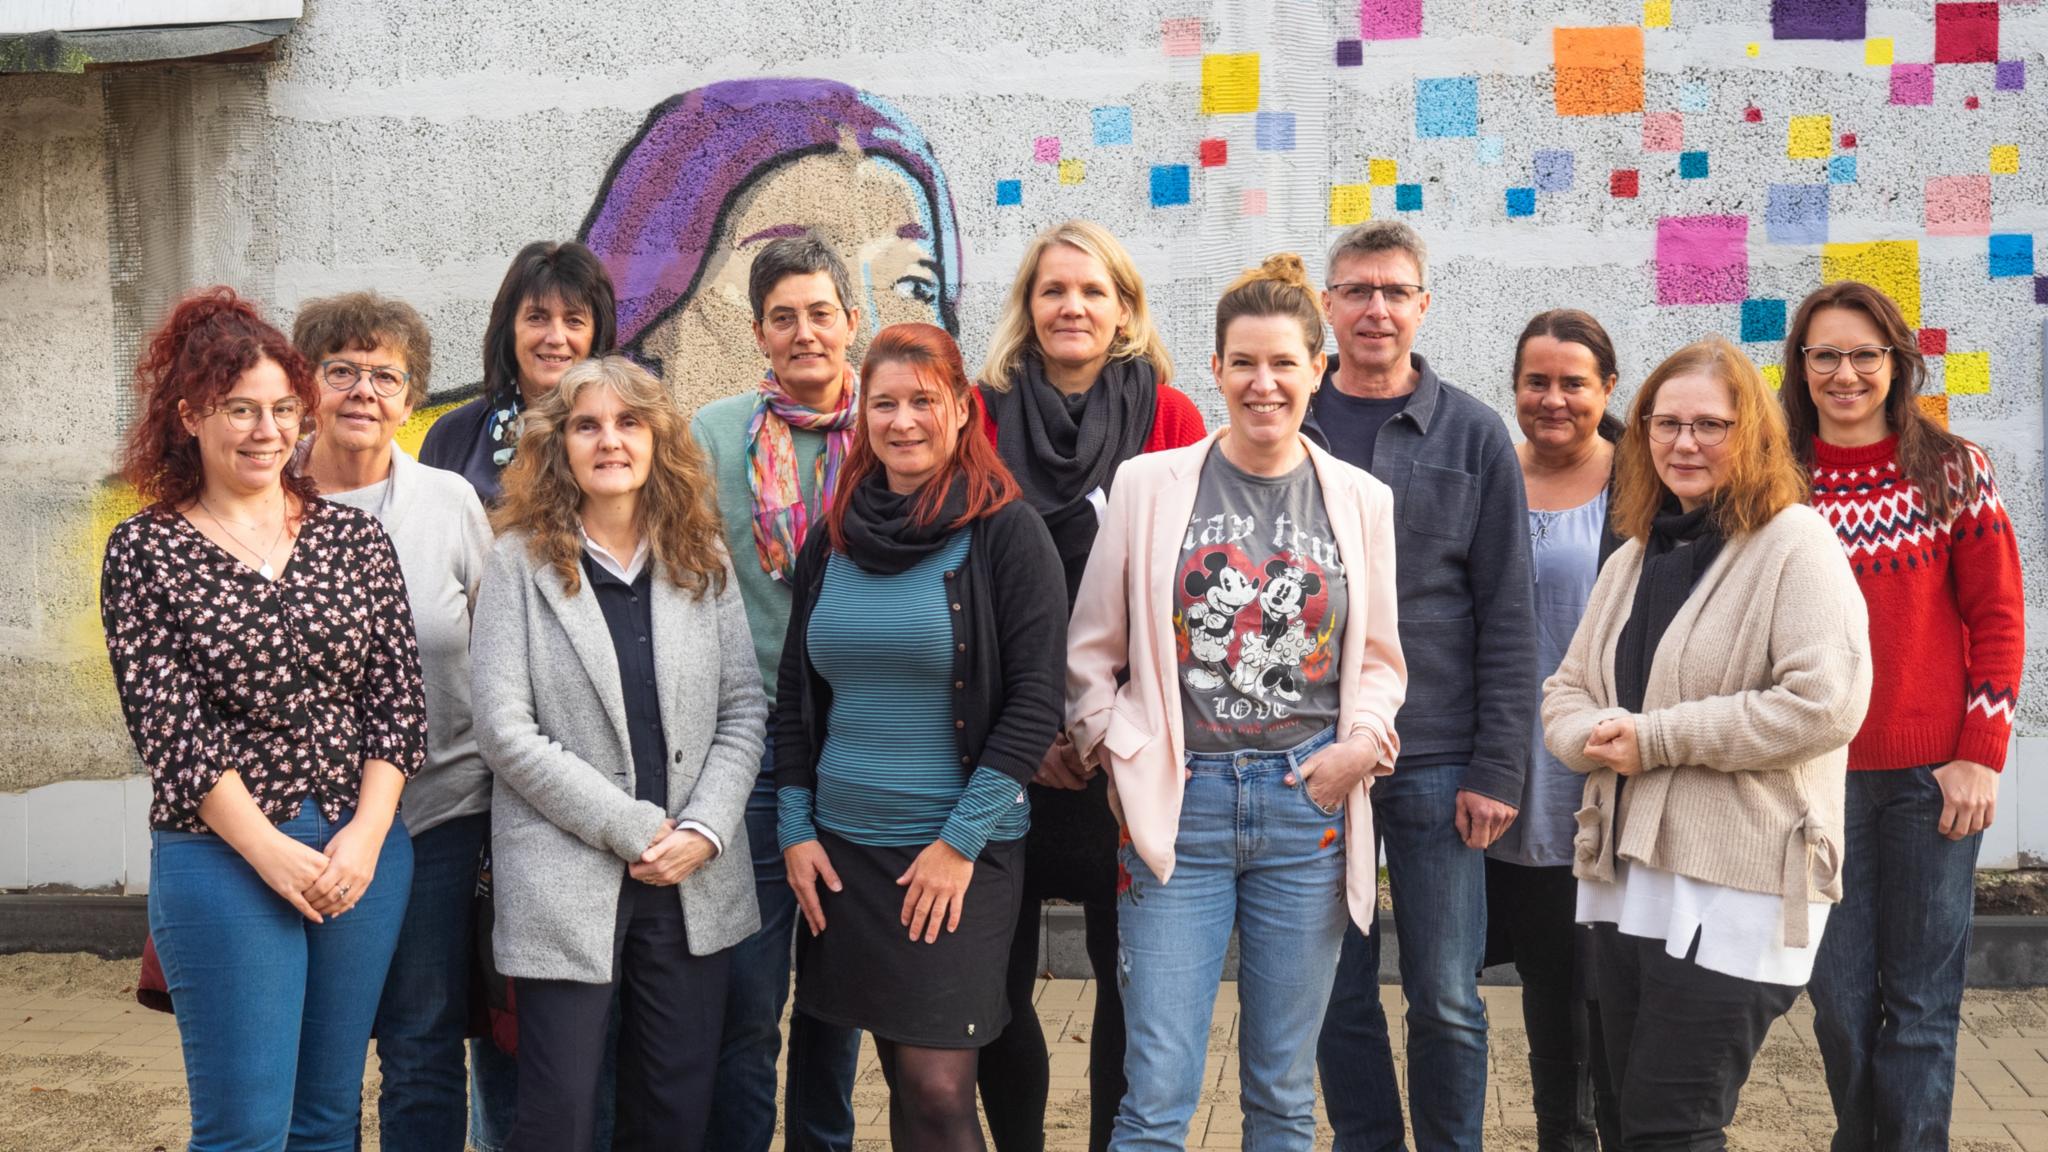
pixel 264 654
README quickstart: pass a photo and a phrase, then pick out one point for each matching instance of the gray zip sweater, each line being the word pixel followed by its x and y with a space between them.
pixel 1461 558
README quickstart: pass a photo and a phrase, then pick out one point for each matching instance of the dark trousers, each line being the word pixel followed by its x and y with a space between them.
pixel 1015 1073
pixel 1680 1040
pixel 1888 980
pixel 671 1010
pixel 1531 921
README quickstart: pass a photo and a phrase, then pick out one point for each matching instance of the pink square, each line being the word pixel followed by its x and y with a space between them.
pixel 1959 206
pixel 1663 132
pixel 1702 259
pixel 1912 83
pixel 1046 149
pixel 1389 19
pixel 1252 202
pixel 1181 37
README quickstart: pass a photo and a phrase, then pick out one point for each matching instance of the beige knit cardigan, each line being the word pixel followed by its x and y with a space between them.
pixel 1754 693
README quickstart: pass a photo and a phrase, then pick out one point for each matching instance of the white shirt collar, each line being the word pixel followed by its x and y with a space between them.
pixel 628 572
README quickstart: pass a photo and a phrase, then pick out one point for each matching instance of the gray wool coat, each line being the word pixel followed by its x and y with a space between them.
pixel 551 722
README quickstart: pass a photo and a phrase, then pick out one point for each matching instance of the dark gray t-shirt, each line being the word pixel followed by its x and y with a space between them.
pixel 1259 605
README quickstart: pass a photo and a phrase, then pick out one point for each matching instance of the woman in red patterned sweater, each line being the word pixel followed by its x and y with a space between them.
pixel 1075 384
pixel 1918 512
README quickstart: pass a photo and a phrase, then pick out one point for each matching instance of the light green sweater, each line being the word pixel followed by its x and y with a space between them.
pixel 720 428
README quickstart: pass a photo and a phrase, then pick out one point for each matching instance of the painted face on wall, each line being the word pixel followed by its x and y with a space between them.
pixel 868 208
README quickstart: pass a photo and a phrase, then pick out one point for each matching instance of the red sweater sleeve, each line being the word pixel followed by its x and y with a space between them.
pixel 1986 569
pixel 1176 422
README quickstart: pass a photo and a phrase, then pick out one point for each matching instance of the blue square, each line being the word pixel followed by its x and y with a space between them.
pixel 1521 202
pixel 1112 125
pixel 1169 185
pixel 1407 197
pixel 1553 170
pixel 1490 150
pixel 1797 214
pixel 1763 321
pixel 1447 106
pixel 1692 165
pixel 2012 254
pixel 1842 168
pixel 1273 131
pixel 1695 96
pixel 1009 192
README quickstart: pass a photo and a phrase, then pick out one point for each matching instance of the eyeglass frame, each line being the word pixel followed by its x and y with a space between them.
pixel 1684 426
pixel 362 370
pixel 773 321
pixel 1806 351
pixel 1339 291
pixel 255 418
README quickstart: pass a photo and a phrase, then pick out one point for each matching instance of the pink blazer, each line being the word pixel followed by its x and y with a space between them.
pixel 1124 621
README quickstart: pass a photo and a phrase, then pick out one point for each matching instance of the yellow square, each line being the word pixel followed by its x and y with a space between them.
pixel 1890 266
pixel 1072 172
pixel 1752 49
pixel 1656 13
pixel 1967 373
pixel 1350 204
pixel 2005 159
pixel 1383 173
pixel 1810 137
pixel 1230 83
pixel 1877 51
pixel 1774 375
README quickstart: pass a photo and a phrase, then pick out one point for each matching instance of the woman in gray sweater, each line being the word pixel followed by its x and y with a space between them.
pixel 619 704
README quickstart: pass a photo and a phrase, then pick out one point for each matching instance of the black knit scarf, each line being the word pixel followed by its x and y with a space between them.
pixel 882 533
pixel 1681 547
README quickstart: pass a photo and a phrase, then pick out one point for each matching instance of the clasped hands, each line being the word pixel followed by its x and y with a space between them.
pixel 675 853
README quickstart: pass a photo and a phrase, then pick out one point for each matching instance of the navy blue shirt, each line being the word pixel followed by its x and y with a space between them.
pixel 1355 421
pixel 629 615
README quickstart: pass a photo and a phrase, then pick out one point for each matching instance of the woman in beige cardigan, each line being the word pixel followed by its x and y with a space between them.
pixel 1709 696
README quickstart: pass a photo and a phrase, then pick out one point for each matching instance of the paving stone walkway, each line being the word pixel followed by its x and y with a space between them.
pixel 82 1066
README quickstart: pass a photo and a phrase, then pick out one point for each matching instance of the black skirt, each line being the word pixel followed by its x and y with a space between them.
pixel 864 971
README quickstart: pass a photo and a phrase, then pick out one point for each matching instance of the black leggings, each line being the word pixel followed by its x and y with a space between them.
pixel 1015 1070
pixel 931 1097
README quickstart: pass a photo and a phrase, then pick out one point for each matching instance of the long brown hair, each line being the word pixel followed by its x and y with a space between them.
pixel 1763 478
pixel 1926 451
pixel 935 360
pixel 675 508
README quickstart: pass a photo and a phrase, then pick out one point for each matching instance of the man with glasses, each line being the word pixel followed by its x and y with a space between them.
pixel 776 451
pixel 1467 629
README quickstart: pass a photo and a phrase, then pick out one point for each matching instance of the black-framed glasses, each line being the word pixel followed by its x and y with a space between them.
pixel 1707 431
pixel 823 317
pixel 1358 294
pixel 1866 359
pixel 341 375
pixel 244 415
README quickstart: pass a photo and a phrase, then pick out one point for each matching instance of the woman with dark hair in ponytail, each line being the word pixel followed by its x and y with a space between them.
pixel 919 690
pixel 1564 375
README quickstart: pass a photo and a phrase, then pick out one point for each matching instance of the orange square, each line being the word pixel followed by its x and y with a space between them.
pixel 1599 70
pixel 1935 408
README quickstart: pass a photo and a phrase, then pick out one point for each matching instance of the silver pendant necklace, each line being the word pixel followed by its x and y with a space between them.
pixel 263 568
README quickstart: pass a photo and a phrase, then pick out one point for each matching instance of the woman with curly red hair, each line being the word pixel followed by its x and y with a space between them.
pixel 264 653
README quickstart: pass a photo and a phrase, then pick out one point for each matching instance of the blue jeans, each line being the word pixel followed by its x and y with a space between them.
pixel 274 1011
pixel 823 1058
pixel 1255 853
pixel 1888 981
pixel 1439 889
pixel 424 1105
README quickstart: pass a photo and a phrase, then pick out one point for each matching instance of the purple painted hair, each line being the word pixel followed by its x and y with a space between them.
pixel 667 196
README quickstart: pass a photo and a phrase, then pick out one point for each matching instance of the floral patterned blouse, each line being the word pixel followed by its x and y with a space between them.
pixel 292 683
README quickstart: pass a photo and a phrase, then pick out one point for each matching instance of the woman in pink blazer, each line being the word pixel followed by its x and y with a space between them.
pixel 1245 585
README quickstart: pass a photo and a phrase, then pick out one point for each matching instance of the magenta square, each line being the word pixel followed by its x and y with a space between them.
pixel 2012 75
pixel 1389 19
pixel 1046 149
pixel 1702 259
pixel 1912 83
pixel 1959 206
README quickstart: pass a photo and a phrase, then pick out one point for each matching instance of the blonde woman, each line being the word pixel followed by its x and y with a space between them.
pixel 1708 696
pixel 619 704
pixel 1075 384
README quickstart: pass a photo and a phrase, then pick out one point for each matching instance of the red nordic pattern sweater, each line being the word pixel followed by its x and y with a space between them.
pixel 1947 626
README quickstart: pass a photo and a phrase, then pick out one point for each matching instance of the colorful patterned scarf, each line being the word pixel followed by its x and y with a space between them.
pixel 780 519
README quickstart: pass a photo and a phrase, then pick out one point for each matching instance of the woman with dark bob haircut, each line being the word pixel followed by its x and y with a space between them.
pixel 554 308
pixel 263 649
pixel 1919 515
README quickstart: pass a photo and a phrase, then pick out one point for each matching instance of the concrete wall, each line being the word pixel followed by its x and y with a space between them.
pixel 1674 167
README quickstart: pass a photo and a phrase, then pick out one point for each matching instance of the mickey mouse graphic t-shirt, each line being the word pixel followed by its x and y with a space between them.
pixel 1258 610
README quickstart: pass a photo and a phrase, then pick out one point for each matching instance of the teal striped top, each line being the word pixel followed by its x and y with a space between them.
pixel 890 773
